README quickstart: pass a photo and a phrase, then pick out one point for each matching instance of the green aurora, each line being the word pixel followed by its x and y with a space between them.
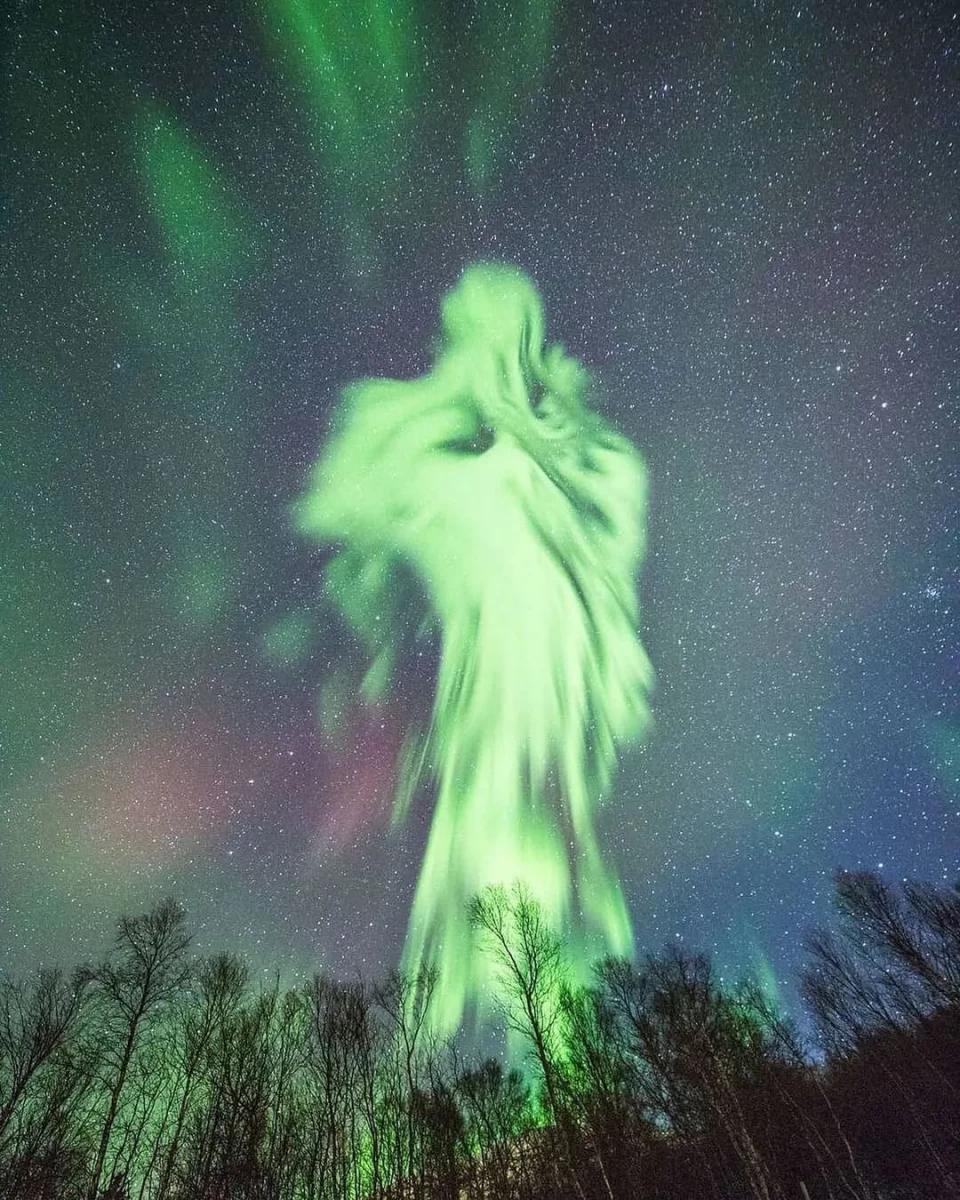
pixel 520 513
pixel 361 82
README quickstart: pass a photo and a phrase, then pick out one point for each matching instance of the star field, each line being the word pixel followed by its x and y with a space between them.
pixel 743 217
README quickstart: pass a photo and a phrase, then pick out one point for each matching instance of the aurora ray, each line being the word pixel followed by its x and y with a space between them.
pixel 520 513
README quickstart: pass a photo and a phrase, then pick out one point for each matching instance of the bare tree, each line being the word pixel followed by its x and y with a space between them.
pixel 531 973
pixel 497 1118
pixel 156 1078
pixel 894 959
pixel 697 1052
pixel 35 1022
pixel 216 993
pixel 884 989
pixel 406 1003
pixel 599 1080
pixel 134 985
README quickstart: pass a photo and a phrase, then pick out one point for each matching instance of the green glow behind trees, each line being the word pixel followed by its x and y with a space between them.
pixel 521 513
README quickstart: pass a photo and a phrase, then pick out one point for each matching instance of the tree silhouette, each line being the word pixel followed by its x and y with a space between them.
pixel 160 1076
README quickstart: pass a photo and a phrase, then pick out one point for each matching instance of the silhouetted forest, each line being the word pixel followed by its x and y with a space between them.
pixel 158 1075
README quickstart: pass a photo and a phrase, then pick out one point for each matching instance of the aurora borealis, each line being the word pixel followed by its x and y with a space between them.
pixel 216 217
pixel 491 484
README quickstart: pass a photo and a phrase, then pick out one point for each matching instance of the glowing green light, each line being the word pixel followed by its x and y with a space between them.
pixel 183 321
pixel 521 513
pixel 766 977
pixel 202 230
pixel 355 72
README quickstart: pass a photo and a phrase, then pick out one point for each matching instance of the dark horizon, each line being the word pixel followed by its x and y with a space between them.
pixel 158 1074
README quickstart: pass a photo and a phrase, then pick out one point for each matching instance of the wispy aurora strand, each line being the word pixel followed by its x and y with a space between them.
pixel 521 514
pixel 377 86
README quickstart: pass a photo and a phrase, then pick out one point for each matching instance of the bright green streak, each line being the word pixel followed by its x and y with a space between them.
pixel 524 526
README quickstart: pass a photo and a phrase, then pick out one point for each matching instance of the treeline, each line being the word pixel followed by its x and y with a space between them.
pixel 155 1075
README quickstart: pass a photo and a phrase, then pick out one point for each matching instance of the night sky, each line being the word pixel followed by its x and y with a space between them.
pixel 742 215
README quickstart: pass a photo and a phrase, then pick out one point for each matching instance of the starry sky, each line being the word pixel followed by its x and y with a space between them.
pixel 742 216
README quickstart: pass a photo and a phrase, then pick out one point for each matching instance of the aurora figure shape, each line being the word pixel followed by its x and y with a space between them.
pixel 520 513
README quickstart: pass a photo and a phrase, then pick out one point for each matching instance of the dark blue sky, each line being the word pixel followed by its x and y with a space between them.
pixel 744 218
